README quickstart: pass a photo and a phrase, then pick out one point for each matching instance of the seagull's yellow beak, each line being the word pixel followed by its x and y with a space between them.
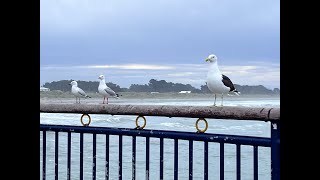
pixel 207 59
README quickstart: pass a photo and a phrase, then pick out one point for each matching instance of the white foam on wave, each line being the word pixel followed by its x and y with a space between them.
pixel 176 125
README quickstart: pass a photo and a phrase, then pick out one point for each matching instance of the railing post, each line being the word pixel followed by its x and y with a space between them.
pixel 275 150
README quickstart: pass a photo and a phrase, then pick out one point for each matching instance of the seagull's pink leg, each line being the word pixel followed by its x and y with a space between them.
pixel 103 99
pixel 107 100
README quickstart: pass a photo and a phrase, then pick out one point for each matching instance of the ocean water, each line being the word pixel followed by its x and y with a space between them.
pixel 234 127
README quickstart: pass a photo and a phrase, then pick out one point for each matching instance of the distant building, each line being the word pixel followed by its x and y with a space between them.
pixel 44 89
pixel 154 92
pixel 184 92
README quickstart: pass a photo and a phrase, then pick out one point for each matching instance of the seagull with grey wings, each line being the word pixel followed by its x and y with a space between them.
pixel 105 91
pixel 77 92
pixel 217 82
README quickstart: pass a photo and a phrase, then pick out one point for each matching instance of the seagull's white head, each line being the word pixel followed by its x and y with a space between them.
pixel 101 77
pixel 74 83
pixel 211 58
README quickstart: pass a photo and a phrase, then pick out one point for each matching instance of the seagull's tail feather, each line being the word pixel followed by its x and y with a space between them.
pixel 236 92
pixel 117 96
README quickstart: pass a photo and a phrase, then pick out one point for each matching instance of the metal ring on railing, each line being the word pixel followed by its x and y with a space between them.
pixel 203 130
pixel 87 124
pixel 144 123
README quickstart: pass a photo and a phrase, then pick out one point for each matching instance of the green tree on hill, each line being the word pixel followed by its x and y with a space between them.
pixel 154 86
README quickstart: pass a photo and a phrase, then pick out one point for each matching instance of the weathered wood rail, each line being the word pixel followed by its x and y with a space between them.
pixel 226 112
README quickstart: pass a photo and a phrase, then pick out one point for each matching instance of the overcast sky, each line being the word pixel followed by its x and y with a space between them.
pixel 131 42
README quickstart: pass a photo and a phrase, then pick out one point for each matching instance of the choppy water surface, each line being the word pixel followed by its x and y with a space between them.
pixel 235 127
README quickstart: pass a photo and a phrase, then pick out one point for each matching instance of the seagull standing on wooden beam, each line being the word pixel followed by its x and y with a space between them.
pixel 217 82
pixel 77 92
pixel 104 90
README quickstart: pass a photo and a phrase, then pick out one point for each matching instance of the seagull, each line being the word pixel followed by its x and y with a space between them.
pixel 78 92
pixel 217 82
pixel 104 90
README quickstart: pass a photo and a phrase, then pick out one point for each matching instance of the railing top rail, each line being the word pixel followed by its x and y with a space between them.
pixel 225 112
pixel 209 137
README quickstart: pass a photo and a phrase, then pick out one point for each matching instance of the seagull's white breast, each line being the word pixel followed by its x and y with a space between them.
pixel 102 91
pixel 214 81
pixel 75 91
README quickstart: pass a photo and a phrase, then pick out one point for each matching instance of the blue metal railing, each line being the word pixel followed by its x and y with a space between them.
pixel 273 142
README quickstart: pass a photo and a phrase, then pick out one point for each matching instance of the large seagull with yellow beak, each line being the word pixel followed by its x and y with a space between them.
pixel 217 82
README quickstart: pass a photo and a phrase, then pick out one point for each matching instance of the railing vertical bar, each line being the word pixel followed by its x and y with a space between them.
pixel 255 162
pixel 120 157
pixel 94 160
pixel 147 156
pixel 273 143
pixel 81 156
pixel 44 154
pixel 161 158
pixel 107 158
pixel 206 162
pixel 69 157
pixel 275 150
pixel 238 162
pixel 56 154
pixel 175 159
pixel 190 159
pixel 134 149
pixel 221 161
